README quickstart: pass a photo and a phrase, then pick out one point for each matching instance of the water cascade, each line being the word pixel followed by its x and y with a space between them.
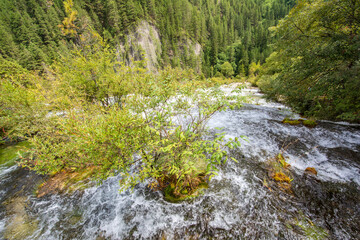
pixel 242 201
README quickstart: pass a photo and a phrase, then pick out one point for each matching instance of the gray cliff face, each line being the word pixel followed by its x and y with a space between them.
pixel 144 43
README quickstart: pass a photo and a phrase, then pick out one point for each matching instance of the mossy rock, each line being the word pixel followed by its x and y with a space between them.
pixel 309 123
pixel 281 177
pixel 291 121
pixel 309 228
pixel 185 194
pixel 9 153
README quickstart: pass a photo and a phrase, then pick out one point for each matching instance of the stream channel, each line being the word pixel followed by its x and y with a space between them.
pixel 236 205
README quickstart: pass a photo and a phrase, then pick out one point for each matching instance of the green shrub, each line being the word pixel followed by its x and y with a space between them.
pixel 125 121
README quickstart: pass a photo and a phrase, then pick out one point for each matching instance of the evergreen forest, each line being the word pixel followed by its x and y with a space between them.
pixel 228 31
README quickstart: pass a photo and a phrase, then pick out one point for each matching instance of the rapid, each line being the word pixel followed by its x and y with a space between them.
pixel 242 201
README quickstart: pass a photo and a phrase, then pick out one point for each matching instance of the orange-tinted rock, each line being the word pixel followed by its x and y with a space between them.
pixel 281 177
pixel 311 170
pixel 65 182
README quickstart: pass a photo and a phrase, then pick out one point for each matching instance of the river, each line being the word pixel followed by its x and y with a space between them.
pixel 238 204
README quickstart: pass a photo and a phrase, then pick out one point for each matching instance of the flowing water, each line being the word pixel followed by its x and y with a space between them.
pixel 236 205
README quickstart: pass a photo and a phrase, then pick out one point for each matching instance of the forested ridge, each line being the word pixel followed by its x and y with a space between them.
pixel 228 31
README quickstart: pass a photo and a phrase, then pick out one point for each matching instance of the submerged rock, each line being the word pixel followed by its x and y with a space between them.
pixel 65 182
pixel 20 225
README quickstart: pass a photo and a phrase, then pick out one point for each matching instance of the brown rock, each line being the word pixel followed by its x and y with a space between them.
pixel 311 170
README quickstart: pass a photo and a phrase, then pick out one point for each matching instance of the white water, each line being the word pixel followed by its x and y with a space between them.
pixel 236 205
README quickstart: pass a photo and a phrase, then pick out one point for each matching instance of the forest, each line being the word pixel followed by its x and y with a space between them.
pixel 228 31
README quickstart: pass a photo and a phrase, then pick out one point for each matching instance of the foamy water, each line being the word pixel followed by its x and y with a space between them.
pixel 236 204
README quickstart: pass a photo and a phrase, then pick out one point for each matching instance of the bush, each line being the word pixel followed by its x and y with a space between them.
pixel 131 123
pixel 22 105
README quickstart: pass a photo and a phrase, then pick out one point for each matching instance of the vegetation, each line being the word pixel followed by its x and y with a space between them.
pixel 89 110
pixel 279 170
pixel 316 64
pixel 9 154
pixel 92 111
pixel 21 103
pixel 64 88
pixel 228 31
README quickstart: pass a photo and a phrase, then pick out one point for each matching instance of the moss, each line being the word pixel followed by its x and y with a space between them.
pixel 281 177
pixel 311 170
pixel 187 195
pixel 291 121
pixel 9 153
pixel 310 229
pixel 309 123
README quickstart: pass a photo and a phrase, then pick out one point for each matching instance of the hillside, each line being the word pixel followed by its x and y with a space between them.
pixel 193 34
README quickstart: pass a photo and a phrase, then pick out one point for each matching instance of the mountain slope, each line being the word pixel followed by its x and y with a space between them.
pixel 227 30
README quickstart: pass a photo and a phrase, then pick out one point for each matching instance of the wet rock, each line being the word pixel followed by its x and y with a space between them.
pixel 281 177
pixel 291 121
pixel 309 123
pixel 20 225
pixel 65 182
pixel 311 171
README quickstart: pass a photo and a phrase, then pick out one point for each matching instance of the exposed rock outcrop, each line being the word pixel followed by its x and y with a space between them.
pixel 142 43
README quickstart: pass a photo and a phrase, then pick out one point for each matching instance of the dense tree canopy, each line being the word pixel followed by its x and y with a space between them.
pixel 316 66
pixel 234 31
